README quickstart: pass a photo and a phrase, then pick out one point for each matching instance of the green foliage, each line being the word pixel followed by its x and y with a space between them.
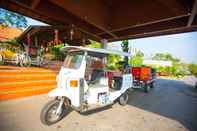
pixel 112 61
pixel 165 57
pixel 12 45
pixel 125 45
pixel 125 48
pixel 94 44
pixel 55 50
pixel 9 18
pixel 139 54
pixel 173 70
pixel 12 42
pixel 177 69
pixel 193 69
pixel 137 59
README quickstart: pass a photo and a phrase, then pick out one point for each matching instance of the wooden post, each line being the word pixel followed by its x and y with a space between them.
pixel 28 39
pixel 56 39
pixel 36 41
pixel 27 49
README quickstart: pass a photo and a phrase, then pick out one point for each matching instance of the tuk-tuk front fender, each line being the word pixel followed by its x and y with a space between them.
pixel 58 92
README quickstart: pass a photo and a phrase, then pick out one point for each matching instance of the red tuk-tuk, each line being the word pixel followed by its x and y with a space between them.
pixel 143 77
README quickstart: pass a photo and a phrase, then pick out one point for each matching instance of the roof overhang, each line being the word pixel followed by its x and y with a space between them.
pixel 47 33
pixel 112 19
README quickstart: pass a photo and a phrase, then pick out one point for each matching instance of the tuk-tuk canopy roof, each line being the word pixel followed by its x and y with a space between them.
pixel 95 51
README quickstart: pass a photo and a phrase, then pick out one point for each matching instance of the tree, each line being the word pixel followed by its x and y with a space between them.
pixel 177 68
pixel 165 57
pixel 112 61
pixel 9 18
pixel 159 56
pixel 125 45
pixel 193 69
pixel 137 59
pixel 94 44
pixel 125 48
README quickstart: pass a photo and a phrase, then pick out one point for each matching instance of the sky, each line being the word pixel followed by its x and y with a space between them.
pixel 33 22
pixel 182 46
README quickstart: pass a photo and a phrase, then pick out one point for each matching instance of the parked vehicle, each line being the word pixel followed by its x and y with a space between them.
pixel 1 59
pixel 82 84
pixel 143 77
pixel 36 56
pixel 8 56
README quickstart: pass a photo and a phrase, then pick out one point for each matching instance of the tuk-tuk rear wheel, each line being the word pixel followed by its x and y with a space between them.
pixel 147 88
pixel 123 99
pixel 152 85
pixel 48 116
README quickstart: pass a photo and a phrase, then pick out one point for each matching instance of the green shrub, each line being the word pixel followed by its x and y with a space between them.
pixel 112 61
pixel 193 69
pixel 55 50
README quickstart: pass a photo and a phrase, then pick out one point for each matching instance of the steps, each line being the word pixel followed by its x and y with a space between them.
pixel 17 82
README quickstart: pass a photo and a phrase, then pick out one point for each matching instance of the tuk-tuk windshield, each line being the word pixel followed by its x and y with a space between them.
pixel 73 60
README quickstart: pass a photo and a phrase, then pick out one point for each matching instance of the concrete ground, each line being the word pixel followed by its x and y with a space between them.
pixel 170 106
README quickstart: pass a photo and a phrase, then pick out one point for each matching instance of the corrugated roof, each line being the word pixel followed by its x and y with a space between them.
pixel 8 33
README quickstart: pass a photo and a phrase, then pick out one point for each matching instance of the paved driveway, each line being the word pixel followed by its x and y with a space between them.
pixel 170 106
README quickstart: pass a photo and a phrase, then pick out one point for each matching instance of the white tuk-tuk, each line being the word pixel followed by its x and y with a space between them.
pixel 83 84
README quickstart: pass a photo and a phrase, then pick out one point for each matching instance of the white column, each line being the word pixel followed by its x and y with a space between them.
pixel 104 46
pixel 104 43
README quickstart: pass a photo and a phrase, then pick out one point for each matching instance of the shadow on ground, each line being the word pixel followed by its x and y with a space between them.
pixel 170 98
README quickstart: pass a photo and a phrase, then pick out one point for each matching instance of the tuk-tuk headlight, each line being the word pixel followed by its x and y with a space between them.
pixel 73 83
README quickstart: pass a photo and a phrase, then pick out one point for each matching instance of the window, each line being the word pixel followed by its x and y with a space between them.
pixel 73 60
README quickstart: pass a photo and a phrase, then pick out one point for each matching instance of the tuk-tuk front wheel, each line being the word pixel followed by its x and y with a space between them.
pixel 123 99
pixel 48 114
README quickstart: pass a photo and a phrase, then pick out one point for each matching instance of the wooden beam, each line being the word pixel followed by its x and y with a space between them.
pixel 148 23
pixel 56 17
pixel 177 23
pixel 130 13
pixel 174 6
pixel 94 12
pixel 120 20
pixel 26 11
pixel 158 33
pixel 193 14
pixel 35 4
